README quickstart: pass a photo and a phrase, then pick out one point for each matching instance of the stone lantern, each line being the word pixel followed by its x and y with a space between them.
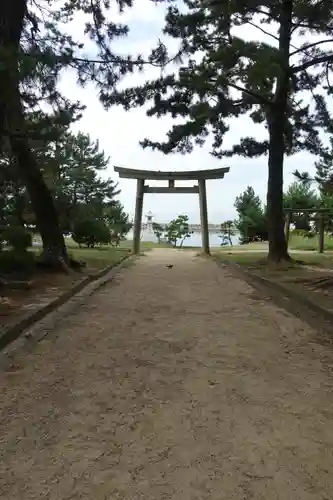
pixel 149 217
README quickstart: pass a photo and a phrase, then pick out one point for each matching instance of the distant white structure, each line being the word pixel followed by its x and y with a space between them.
pixel 149 216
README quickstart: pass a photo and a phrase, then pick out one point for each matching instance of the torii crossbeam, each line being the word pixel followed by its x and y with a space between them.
pixel 196 175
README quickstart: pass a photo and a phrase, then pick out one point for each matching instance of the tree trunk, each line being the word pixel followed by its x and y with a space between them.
pixel 277 117
pixel 12 124
pixel 275 216
pixel 12 14
pixel 54 248
pixel 47 221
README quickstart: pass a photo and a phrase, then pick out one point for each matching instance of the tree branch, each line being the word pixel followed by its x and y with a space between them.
pixel 302 49
pixel 312 26
pixel 116 60
pixel 262 30
pixel 263 13
pixel 328 76
pixel 256 96
pixel 312 62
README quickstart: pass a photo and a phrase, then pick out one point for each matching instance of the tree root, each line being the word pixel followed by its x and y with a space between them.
pixel 286 259
pixel 320 283
pixel 14 284
pixel 55 263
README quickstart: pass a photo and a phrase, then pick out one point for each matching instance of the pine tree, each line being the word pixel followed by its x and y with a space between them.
pixel 73 173
pixel 35 47
pixel 251 222
pixel 301 195
pixel 224 76
pixel 324 171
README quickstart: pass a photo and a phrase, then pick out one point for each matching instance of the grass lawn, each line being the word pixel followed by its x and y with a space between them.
pixel 127 245
pixel 257 246
pixel 95 258
pixel 297 242
pixel 98 258
pixel 257 259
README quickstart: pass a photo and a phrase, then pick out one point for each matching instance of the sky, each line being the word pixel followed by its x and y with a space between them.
pixel 119 133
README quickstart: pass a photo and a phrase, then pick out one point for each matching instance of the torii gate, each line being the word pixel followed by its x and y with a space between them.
pixel 196 175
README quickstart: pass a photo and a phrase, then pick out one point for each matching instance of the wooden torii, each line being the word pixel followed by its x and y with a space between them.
pixel 196 175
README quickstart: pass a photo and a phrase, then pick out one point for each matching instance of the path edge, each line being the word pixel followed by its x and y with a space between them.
pixel 295 304
pixel 64 304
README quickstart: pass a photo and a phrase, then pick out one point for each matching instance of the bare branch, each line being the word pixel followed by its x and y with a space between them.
pixel 262 30
pixel 314 44
pixel 312 62
pixel 251 93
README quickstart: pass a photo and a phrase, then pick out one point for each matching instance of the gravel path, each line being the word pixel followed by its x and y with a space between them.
pixel 175 384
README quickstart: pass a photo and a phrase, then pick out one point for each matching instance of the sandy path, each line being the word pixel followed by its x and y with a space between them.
pixel 175 384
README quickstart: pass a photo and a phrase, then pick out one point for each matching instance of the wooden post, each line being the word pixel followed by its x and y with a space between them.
pixel 321 233
pixel 287 226
pixel 204 215
pixel 138 215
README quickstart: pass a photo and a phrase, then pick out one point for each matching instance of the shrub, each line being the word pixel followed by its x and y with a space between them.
pixel 91 232
pixel 17 237
pixel 13 261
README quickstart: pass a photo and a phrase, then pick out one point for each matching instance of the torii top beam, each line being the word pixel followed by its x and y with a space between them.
pixel 158 175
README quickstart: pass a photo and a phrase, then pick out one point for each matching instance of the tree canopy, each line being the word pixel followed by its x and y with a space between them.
pixel 224 75
pixel 37 45
pixel 72 165
pixel 301 195
pixel 178 229
pixel 251 222
pixel 215 76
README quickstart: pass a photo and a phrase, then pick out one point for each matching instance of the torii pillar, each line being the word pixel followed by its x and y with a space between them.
pixel 197 175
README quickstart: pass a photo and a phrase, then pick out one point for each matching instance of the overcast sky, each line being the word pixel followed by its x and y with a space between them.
pixel 119 133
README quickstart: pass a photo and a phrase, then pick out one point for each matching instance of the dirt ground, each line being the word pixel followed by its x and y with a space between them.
pixel 179 384
pixel 41 288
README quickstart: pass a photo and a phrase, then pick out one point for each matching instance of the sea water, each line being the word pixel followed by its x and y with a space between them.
pixel 195 240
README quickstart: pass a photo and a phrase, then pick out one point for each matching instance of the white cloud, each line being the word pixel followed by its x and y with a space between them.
pixel 142 10
pixel 119 133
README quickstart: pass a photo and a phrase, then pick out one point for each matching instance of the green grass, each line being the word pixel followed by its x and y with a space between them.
pixel 257 246
pixel 244 258
pixel 98 258
pixel 126 244
pixel 298 242
pixel 257 259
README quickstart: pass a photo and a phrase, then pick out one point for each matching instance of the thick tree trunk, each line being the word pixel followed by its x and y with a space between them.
pixel 47 221
pixel 12 14
pixel 54 248
pixel 12 123
pixel 275 217
pixel 276 124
